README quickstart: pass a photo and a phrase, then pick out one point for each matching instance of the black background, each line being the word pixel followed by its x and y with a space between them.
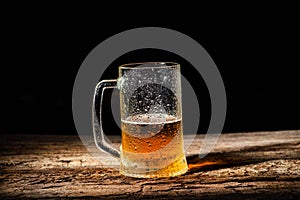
pixel 256 51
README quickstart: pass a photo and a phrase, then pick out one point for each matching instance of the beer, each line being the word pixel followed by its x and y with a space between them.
pixel 152 146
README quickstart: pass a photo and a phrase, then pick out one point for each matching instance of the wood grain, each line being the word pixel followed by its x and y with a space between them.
pixel 258 165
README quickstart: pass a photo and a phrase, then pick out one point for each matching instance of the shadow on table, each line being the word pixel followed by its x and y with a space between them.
pixel 245 156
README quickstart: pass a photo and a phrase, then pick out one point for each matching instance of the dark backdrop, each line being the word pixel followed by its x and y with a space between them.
pixel 256 51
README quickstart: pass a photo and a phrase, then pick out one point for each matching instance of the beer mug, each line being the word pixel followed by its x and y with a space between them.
pixel 151 120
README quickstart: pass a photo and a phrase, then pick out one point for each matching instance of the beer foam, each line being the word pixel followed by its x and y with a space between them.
pixel 151 119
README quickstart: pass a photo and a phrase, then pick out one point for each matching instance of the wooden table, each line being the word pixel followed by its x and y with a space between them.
pixel 257 165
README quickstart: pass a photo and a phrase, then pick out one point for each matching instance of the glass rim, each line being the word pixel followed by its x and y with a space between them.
pixel 139 65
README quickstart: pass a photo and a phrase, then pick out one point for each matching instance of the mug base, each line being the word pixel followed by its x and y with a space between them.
pixel 178 167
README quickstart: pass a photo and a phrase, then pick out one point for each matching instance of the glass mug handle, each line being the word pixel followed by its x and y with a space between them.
pixel 100 139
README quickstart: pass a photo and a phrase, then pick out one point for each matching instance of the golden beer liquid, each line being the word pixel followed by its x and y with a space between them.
pixel 152 146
